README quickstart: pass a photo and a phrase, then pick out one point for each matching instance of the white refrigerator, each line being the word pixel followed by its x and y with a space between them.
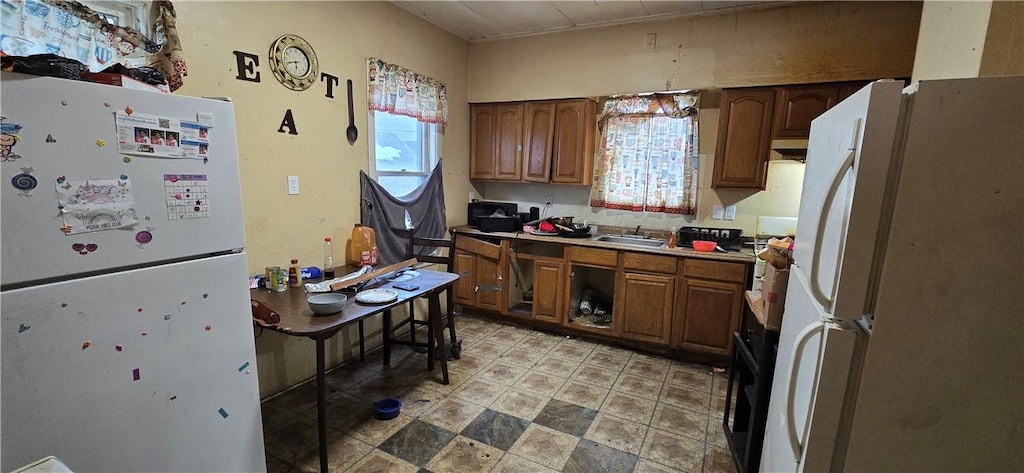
pixel 126 341
pixel 901 341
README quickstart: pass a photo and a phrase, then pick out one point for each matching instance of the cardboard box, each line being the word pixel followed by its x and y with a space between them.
pixel 773 290
pixel 125 81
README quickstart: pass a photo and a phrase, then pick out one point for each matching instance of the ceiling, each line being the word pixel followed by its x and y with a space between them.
pixel 490 20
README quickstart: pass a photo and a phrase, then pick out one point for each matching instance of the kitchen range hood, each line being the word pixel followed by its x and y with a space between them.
pixel 791 149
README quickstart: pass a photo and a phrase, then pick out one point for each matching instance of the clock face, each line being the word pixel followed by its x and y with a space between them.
pixel 296 62
pixel 293 62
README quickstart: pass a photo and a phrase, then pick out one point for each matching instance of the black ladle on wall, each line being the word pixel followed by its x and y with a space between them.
pixel 351 132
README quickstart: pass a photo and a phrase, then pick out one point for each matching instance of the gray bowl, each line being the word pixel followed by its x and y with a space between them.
pixel 327 303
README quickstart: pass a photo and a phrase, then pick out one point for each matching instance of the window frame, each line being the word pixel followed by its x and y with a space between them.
pixel 130 14
pixel 430 134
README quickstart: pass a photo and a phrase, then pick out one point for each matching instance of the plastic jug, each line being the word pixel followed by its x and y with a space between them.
pixel 364 240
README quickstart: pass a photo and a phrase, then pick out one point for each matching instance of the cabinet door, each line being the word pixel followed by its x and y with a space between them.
pixel 709 312
pixel 547 290
pixel 796 106
pixel 847 89
pixel 744 137
pixel 481 142
pixel 645 302
pixel 508 146
pixel 573 151
pixel 538 133
pixel 464 287
pixel 490 286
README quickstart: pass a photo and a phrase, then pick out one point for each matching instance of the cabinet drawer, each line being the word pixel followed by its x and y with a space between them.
pixel 704 269
pixel 597 256
pixel 477 247
pixel 648 262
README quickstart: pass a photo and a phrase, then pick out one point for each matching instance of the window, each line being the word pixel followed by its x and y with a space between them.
pixel 134 15
pixel 647 158
pixel 404 151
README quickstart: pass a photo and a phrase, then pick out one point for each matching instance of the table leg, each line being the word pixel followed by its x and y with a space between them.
pixel 387 337
pixel 321 404
pixel 362 342
pixel 435 323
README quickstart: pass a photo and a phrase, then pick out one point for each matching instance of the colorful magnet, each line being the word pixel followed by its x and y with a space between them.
pixel 139 309
pixel 206 160
pixel 101 143
pixel 128 110
pixel 22 328
pixel 243 367
pixel 173 397
pixel 136 375
pixel 8 138
pixel 118 347
pixel 145 333
pixel 143 237
pixel 167 316
pixel 25 182
pixel 223 413
pixel 106 104
pixel 64 103
pixel 63 304
pixel 49 139
pixel 86 344
pixel 127 160
pixel 208 328
pixel 84 248
pixel 206 295
pixel 124 177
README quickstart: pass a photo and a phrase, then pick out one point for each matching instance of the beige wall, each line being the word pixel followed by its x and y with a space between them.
pixel 1004 40
pixel 951 39
pixel 279 226
pixel 803 43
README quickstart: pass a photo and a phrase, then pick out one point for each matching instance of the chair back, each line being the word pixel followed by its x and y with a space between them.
pixel 419 243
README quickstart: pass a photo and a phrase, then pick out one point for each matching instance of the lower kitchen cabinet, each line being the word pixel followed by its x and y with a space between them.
pixel 709 306
pixel 645 302
pixel 547 290
pixel 666 302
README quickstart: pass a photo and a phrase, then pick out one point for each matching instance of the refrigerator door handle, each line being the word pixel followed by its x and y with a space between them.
pixel 826 205
pixel 798 349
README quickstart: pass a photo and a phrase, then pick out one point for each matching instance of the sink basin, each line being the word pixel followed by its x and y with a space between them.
pixel 632 240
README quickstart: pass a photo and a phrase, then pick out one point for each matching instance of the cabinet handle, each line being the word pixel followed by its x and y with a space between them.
pixel 476 288
pixel 463 273
pixel 498 276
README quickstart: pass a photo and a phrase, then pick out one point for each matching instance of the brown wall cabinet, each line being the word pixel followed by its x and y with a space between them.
pixel 553 141
pixel 796 106
pixel 496 142
pixel 744 138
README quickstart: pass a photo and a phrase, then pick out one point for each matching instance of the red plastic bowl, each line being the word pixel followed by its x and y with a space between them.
pixel 703 245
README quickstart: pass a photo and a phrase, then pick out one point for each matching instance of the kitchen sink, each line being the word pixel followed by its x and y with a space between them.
pixel 632 240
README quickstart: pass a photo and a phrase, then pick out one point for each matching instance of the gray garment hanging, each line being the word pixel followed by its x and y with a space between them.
pixel 385 213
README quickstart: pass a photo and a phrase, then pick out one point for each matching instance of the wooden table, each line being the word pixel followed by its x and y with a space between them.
pixel 298 320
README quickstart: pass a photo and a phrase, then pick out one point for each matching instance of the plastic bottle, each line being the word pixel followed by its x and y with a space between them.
pixel 672 238
pixel 294 274
pixel 363 241
pixel 328 259
pixel 373 256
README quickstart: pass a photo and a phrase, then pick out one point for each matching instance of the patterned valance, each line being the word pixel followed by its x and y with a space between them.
pixel 395 89
pixel 72 30
pixel 679 105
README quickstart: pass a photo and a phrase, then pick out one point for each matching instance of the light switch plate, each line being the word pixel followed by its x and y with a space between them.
pixel 293 185
pixel 730 212
pixel 716 212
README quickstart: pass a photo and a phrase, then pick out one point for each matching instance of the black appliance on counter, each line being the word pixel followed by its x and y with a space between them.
pixel 727 238
pixel 494 216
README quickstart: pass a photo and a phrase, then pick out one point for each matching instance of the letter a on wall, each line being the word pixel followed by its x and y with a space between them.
pixel 288 122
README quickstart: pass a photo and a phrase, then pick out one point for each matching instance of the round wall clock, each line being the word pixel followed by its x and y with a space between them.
pixel 293 62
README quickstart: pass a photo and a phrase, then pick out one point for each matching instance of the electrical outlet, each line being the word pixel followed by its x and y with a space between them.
pixel 293 185
pixel 547 199
pixel 716 212
pixel 730 212
pixel 652 41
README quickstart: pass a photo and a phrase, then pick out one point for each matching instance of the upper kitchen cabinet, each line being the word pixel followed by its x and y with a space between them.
pixel 538 134
pixel 573 153
pixel 554 141
pixel 744 137
pixel 796 106
pixel 496 142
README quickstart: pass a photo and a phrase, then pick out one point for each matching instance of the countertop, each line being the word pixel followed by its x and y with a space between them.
pixel 744 256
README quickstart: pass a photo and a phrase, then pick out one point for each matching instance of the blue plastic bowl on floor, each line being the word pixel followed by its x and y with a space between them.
pixel 388 408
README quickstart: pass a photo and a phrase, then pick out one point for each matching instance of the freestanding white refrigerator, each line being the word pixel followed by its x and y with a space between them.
pixel 901 342
pixel 125 326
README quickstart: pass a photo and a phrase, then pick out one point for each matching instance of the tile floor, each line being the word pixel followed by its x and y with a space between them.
pixel 519 401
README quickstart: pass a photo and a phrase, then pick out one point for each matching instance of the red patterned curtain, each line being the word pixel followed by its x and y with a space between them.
pixel 395 89
pixel 647 161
